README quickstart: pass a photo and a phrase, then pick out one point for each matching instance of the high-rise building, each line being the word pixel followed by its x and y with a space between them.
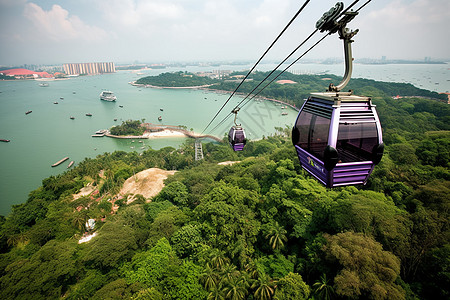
pixel 89 68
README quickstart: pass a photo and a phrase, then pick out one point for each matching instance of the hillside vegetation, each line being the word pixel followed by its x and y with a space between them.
pixel 177 79
pixel 258 229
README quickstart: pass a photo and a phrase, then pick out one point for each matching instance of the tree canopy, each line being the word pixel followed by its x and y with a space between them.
pixel 261 228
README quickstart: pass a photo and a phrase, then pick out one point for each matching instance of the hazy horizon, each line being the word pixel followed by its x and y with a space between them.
pixel 47 32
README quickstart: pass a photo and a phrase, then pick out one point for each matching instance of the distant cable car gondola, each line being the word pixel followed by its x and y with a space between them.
pixel 337 135
pixel 236 135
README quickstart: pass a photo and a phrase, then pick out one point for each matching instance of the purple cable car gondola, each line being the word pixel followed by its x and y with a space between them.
pixel 236 135
pixel 338 135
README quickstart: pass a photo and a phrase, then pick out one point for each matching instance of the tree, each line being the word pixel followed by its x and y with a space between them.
pixel 150 267
pixel 216 293
pixel 235 288
pixel 291 287
pixel 175 192
pixel 367 271
pixel 114 244
pixel 209 278
pixel 46 274
pixel 79 219
pixel 264 287
pixel 182 281
pixel 276 235
pixel 148 294
pixel 323 289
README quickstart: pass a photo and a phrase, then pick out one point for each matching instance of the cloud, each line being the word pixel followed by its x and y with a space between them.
pixel 130 14
pixel 57 25
pixel 406 29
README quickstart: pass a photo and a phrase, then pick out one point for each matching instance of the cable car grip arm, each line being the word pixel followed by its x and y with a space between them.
pixel 329 22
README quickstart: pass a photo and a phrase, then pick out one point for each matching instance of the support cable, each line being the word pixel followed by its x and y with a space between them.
pixel 248 100
pixel 251 70
pixel 237 106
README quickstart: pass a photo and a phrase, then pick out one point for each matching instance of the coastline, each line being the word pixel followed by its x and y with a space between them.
pixel 206 88
pixel 133 83
pixel 166 133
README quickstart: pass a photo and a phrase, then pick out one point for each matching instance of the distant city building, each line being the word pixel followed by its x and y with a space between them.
pixel 24 74
pixel 89 68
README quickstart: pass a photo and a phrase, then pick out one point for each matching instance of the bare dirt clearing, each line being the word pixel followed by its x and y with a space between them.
pixel 148 183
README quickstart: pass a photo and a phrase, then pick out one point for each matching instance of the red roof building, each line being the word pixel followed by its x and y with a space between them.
pixel 24 73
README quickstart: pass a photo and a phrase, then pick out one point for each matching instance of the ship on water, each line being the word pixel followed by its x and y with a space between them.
pixel 108 96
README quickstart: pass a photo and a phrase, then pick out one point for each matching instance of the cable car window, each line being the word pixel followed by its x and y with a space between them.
pixel 239 136
pixel 356 141
pixel 313 133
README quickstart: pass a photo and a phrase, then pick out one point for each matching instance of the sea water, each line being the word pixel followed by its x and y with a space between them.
pixel 48 134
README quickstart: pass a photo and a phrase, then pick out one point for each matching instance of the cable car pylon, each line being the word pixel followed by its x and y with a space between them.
pixel 337 135
pixel 198 150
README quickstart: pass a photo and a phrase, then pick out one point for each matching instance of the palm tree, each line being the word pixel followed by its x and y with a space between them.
pixel 276 236
pixel 236 288
pixel 216 293
pixel 229 272
pixel 264 287
pixel 322 289
pixel 18 240
pixel 251 270
pixel 218 259
pixel 79 219
pixel 209 278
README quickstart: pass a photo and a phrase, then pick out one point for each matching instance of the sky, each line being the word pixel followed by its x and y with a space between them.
pixel 154 31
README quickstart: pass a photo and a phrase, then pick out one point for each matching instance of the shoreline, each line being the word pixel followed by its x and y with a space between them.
pixel 165 133
pixel 133 83
pixel 205 88
pixel 149 135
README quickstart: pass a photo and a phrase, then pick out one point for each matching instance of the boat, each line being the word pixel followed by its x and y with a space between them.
pixel 159 118
pixel 62 98
pixel 102 131
pixel 60 162
pixel 107 96
pixel 70 164
pixel 55 102
pixel 44 84
pixel 99 133
pixel 5 140
pixel 89 115
pixel 284 114
pixel 161 109
pixel 121 106
pixel 29 112
pixel 115 119
pixel 72 118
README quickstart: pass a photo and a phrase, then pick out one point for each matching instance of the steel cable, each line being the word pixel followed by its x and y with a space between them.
pixel 251 70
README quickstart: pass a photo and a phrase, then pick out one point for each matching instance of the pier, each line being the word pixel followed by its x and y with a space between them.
pixel 60 162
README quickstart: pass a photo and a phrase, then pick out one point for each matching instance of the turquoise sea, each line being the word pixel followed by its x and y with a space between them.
pixel 46 135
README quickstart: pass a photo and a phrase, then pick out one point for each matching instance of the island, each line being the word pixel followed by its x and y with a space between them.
pixel 178 79
pixel 137 129
pixel 293 94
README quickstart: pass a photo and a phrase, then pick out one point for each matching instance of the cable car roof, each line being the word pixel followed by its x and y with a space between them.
pixel 338 97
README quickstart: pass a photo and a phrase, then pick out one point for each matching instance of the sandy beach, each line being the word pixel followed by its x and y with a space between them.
pixel 163 134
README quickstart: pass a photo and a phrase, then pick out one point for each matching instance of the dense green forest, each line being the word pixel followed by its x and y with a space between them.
pixel 305 84
pixel 261 228
pixel 176 79
pixel 128 127
pixel 291 93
